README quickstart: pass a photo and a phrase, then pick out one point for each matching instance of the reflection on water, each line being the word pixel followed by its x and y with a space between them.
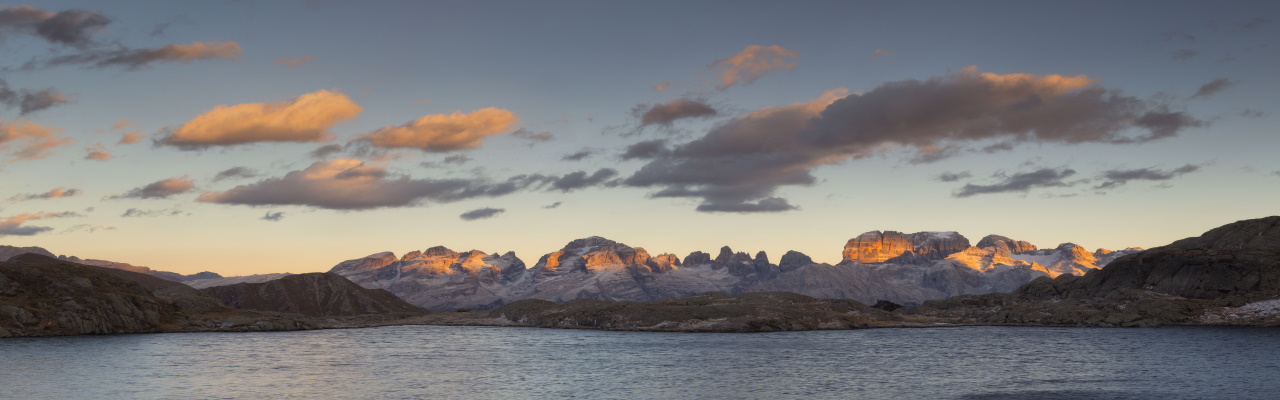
pixel 513 363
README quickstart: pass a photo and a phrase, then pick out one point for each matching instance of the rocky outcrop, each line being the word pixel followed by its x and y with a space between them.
pixel 43 296
pixel 1231 266
pixel 7 252
pixel 897 247
pixel 314 294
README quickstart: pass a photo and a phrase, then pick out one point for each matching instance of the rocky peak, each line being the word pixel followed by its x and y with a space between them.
pixel 664 262
pixel 373 261
pixel 897 247
pixel 793 260
pixel 440 251
pixel 725 256
pixel 697 258
pixel 1014 246
pixel 412 255
pixel 762 258
pixel 1254 234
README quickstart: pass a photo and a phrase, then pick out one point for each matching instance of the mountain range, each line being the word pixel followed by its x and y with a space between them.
pixel 893 266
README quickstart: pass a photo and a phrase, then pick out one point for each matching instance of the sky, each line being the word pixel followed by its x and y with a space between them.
pixel 251 137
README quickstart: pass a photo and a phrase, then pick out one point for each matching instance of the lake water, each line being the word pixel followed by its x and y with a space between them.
pixel 404 362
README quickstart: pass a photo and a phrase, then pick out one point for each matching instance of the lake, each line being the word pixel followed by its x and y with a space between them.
pixel 402 362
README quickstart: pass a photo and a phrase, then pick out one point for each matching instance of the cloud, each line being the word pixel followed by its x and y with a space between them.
pixel 13 226
pixel 164 212
pixel 752 63
pixel 1175 35
pixel 456 159
pixel 1020 182
pixel 1250 24
pixel 294 62
pixel 526 134
pixel 235 172
pixel 444 132
pixel 129 131
pixel 645 150
pixel 579 156
pixel 56 193
pixel 306 118
pixel 37 139
pixel 1213 87
pixel 28 101
pixel 662 86
pixel 159 189
pixel 881 53
pixel 131 138
pixel 97 152
pixel 325 151
pixel 747 158
pixel 135 59
pixel 667 113
pixel 953 176
pixel 1183 54
pixel 481 213
pixel 1251 113
pixel 73 28
pixel 274 216
pixel 552 205
pixel 346 184
pixel 1118 177
pixel 580 179
pixel 88 228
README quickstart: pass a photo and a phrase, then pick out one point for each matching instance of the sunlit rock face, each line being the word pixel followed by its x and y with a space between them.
pixel 437 278
pixel 1010 245
pixel 891 246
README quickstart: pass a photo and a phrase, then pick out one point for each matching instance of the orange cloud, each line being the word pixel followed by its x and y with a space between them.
pixel 306 118
pixel 752 63
pixel 160 189
pixel 56 193
pixel 881 53
pixel 445 132
pixel 198 51
pixel 37 139
pixel 130 138
pixel 662 86
pixel 12 226
pixel 294 62
pixel 97 152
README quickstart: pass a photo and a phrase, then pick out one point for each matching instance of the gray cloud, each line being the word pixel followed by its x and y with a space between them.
pixel 953 176
pixel 135 59
pixel 667 113
pixel 140 213
pixel 1183 54
pixel 481 213
pixel 1020 182
pixel 1249 25
pixel 1176 35
pixel 645 150
pixel 532 137
pixel 73 28
pixel 1213 87
pixel 743 161
pixel 579 180
pixel 325 151
pixel 579 156
pixel 1251 113
pixel 273 216
pixel 553 205
pixel 27 101
pixel 159 189
pixel 1118 177
pixel 235 172
pixel 52 194
pixel 345 184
